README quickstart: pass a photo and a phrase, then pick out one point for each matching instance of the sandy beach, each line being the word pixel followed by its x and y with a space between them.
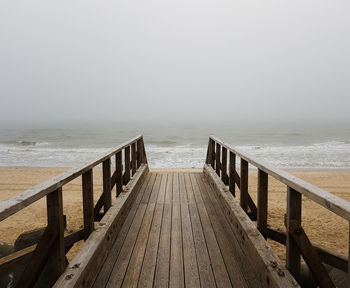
pixel 322 226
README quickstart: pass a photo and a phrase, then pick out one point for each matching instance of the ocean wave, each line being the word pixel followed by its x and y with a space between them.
pixel 16 143
pixel 162 143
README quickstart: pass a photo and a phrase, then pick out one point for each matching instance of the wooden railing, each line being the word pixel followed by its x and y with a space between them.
pixel 295 239
pixel 53 245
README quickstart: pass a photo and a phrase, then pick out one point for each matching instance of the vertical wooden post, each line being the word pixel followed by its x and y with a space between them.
pixel 107 197
pixel 133 158
pixel 262 202
pixel 224 166
pixel 57 259
pixel 209 153
pixel 139 153
pixel 213 153
pixel 349 258
pixel 88 203
pixel 144 157
pixel 292 250
pixel 232 173
pixel 218 164
pixel 244 185
pixel 127 164
pixel 119 169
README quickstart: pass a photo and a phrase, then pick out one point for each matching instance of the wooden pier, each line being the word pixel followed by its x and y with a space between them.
pixel 173 229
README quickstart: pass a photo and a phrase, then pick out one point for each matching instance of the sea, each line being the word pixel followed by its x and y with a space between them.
pixel 297 145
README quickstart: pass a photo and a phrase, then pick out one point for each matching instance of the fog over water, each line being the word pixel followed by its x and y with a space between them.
pixel 270 77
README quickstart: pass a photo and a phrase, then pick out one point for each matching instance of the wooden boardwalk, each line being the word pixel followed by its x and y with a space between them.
pixel 176 235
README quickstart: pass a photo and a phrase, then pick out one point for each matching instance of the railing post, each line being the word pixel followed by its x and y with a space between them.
pixel 88 203
pixel 139 154
pixel 144 157
pixel 218 164
pixel 119 169
pixel 224 166
pixel 209 153
pixel 213 153
pixel 133 158
pixel 292 250
pixel 244 185
pixel 262 202
pixel 57 257
pixel 232 173
pixel 107 197
pixel 127 164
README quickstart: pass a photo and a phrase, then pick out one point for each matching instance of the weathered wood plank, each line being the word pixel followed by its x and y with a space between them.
pixel 121 265
pixel 127 164
pixel 132 275
pixel 204 266
pixel 17 203
pixel 217 159
pixel 222 278
pixel 106 269
pixel 133 158
pixel 191 273
pixel 244 185
pixel 262 202
pixel 57 258
pixel 107 196
pixel 267 265
pixel 85 266
pixel 163 257
pixel 232 171
pixel 292 250
pixel 224 175
pixel 176 259
pixel 139 153
pixel 88 202
pixel 119 171
pixel 330 201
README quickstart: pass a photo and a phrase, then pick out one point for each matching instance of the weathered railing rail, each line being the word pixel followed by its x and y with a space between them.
pixel 295 239
pixel 53 244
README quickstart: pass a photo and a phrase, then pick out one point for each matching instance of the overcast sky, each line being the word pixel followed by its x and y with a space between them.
pixel 174 59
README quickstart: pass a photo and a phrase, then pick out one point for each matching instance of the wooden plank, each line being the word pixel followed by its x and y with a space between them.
pixel 84 267
pixel 237 265
pixel 262 202
pixel 135 264
pixel 213 157
pixel 224 166
pixel 107 196
pixel 292 250
pixel 222 278
pixel 232 171
pixel 209 153
pixel 330 201
pixel 133 158
pixel 144 157
pixel 203 261
pixel 176 259
pixel 161 278
pixel 57 258
pixel 139 153
pixel 97 209
pixel 217 159
pixel 127 164
pixel 106 269
pixel 149 262
pixel 122 263
pixel 88 202
pixel 119 171
pixel 335 260
pixel 244 185
pixel 17 203
pixel 191 273
pixel 311 257
pixel 267 265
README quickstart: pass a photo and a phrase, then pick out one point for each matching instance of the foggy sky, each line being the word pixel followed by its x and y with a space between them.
pixel 179 59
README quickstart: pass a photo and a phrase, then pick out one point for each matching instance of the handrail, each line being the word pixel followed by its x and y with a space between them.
pixel 54 243
pixel 17 203
pixel 295 239
pixel 331 202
